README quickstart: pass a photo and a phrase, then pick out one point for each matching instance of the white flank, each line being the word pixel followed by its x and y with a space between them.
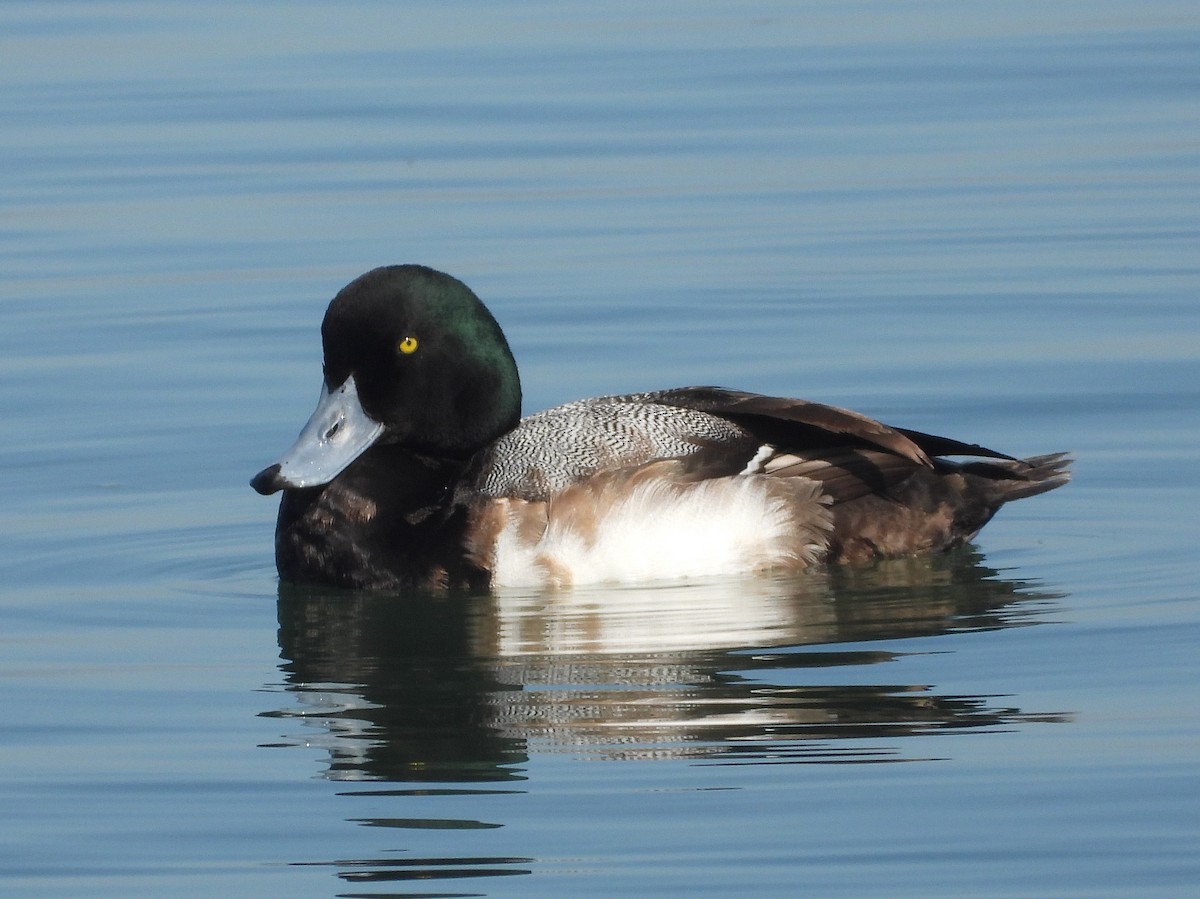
pixel 666 530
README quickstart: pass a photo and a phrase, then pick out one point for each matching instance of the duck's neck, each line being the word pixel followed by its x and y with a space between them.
pixel 388 521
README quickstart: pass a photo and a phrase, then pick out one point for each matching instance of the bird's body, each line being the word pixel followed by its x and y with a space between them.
pixel 416 471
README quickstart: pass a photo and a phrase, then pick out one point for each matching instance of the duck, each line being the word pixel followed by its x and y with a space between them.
pixel 416 470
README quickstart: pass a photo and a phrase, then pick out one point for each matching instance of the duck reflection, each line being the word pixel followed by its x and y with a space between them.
pixel 463 688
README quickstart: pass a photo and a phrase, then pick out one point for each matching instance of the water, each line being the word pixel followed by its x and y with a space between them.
pixel 978 221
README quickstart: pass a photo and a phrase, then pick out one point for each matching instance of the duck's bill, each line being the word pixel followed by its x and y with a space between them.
pixel 337 433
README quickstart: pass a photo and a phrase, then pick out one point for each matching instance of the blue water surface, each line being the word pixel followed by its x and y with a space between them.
pixel 976 220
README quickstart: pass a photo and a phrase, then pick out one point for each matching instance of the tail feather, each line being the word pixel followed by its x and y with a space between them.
pixel 1021 478
pixel 939 508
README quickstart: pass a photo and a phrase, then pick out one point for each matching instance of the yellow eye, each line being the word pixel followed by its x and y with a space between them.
pixel 407 345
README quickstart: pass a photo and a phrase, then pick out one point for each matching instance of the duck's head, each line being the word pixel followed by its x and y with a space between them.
pixel 412 357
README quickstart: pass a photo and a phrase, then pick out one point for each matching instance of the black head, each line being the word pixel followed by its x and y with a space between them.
pixel 429 360
pixel 413 360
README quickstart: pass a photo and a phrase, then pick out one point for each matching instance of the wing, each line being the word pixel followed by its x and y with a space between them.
pixel 794 423
pixel 718 432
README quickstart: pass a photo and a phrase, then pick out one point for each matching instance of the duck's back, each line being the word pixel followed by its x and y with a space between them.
pixel 551 450
pixel 699 481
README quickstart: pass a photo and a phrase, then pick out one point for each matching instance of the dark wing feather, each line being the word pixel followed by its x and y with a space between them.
pixel 790 423
pixel 944 446
pixel 845 474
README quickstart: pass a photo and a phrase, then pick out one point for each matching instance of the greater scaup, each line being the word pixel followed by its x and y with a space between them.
pixel 416 469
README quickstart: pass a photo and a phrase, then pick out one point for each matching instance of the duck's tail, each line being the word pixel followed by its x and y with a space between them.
pixel 940 507
pixel 1019 478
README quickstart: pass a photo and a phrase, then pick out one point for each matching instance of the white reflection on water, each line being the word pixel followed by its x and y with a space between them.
pixel 459 695
pixel 656 619
pixel 428 688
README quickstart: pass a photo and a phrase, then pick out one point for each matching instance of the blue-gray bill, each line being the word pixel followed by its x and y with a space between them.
pixel 337 433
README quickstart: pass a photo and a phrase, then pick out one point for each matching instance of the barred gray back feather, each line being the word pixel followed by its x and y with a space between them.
pixel 548 451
